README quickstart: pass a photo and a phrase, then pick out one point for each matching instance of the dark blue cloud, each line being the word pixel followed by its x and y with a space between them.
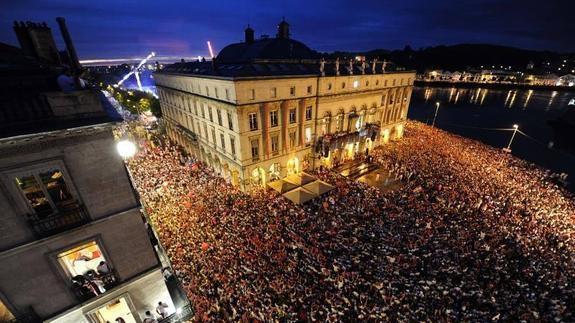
pixel 115 28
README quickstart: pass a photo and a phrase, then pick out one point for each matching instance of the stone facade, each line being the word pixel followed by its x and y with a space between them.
pixel 32 276
pixel 256 129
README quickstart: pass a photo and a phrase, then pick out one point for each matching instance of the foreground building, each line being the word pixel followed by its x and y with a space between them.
pixel 266 108
pixel 73 242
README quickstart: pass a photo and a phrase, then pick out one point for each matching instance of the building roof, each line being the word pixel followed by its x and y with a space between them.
pixel 270 67
pixel 31 101
pixel 265 48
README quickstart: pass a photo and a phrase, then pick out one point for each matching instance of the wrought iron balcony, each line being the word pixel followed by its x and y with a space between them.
pixel 61 221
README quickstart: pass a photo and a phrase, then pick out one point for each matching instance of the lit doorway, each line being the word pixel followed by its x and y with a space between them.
pixel 118 308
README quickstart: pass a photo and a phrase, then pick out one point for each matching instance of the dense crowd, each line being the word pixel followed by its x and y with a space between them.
pixel 472 234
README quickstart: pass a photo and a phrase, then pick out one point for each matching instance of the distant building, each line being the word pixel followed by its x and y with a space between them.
pixel 495 76
pixel 73 244
pixel 541 79
pixel 566 80
pixel 266 108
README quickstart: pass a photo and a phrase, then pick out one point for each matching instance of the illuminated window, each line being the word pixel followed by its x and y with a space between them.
pixel 292 115
pixel 273 118
pixel 307 136
pixel 230 122
pixel 233 146
pixel 355 83
pixel 253 121
pixel 308 113
pixel 275 145
pixel 222 141
pixel 5 314
pixel 89 271
pixel 255 145
pixel 47 192
pixel 292 139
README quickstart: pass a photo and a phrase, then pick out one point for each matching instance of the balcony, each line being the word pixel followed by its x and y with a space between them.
pixel 61 221
pixel 92 284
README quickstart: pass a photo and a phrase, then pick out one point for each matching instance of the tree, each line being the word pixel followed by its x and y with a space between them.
pixel 144 104
pixel 155 108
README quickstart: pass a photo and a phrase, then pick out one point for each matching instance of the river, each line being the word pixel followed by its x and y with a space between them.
pixel 475 113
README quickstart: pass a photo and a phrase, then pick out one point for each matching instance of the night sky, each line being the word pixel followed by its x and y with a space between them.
pixel 121 29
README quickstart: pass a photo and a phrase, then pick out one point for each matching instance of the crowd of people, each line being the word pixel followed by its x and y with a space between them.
pixel 473 234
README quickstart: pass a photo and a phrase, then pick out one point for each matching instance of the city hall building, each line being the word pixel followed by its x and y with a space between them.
pixel 266 108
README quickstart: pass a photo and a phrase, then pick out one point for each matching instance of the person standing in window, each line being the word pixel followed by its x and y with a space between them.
pixel 103 268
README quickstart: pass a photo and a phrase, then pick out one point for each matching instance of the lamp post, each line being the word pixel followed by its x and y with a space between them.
pixel 435 115
pixel 508 148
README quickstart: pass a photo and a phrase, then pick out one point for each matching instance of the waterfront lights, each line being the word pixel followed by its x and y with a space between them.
pixel 435 115
pixel 508 148
pixel 126 148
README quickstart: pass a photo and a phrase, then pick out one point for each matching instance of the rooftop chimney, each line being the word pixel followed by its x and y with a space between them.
pixel 249 33
pixel 74 62
pixel 283 30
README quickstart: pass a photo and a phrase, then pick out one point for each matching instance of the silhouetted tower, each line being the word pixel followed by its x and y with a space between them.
pixel 36 41
pixel 249 33
pixel 283 30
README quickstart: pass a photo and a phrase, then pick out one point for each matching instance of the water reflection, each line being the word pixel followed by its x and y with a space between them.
pixel 531 109
pixel 529 94
pixel 553 95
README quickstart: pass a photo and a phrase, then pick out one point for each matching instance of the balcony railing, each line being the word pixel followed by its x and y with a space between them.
pixel 59 222
pixel 185 313
pixel 92 284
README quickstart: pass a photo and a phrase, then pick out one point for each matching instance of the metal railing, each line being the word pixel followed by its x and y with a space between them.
pixel 59 222
pixel 183 314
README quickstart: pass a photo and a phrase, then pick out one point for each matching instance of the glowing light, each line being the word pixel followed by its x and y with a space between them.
pixel 515 126
pixel 210 48
pixel 135 70
pixel 355 83
pixel 126 148
pixel 179 311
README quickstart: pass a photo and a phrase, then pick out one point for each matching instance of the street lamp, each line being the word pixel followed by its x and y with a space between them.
pixel 126 148
pixel 508 148
pixel 435 116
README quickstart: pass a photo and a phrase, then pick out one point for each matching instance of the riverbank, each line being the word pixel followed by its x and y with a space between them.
pixel 495 86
